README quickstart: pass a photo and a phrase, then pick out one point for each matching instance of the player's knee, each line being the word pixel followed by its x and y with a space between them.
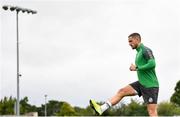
pixel 152 111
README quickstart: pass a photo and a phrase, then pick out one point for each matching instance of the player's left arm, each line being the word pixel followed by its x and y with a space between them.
pixel 148 55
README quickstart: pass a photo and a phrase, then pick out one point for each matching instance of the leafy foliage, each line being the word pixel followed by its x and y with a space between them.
pixel 84 111
pixel 25 107
pixel 175 98
pixel 66 110
pixel 168 109
pixel 134 108
pixel 59 108
pixel 7 106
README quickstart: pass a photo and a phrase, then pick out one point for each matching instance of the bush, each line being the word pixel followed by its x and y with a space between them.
pixel 168 109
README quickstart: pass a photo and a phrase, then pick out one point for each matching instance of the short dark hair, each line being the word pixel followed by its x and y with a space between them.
pixel 135 35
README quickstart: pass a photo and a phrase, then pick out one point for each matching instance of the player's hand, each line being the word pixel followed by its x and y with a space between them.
pixel 132 67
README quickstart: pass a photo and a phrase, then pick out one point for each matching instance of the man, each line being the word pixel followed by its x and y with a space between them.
pixel 147 85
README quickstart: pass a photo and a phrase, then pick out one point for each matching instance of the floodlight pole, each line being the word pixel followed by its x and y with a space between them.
pixel 45 109
pixel 18 74
pixel 18 9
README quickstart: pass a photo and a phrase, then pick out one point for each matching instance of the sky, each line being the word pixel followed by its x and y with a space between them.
pixel 76 50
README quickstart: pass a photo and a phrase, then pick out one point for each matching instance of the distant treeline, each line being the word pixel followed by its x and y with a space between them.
pixel 61 108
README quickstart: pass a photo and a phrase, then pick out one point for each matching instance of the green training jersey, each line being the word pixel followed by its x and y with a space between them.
pixel 145 63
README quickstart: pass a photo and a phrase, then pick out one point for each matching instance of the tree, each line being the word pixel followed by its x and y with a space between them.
pixel 168 109
pixel 7 106
pixel 66 110
pixel 84 111
pixel 53 107
pixel 175 98
pixel 25 107
pixel 135 109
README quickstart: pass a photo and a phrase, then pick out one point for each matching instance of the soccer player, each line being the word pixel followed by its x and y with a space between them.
pixel 147 85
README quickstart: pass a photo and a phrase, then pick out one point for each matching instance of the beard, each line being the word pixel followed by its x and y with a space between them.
pixel 133 46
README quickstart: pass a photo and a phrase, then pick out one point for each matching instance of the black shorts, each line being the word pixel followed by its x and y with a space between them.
pixel 150 95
